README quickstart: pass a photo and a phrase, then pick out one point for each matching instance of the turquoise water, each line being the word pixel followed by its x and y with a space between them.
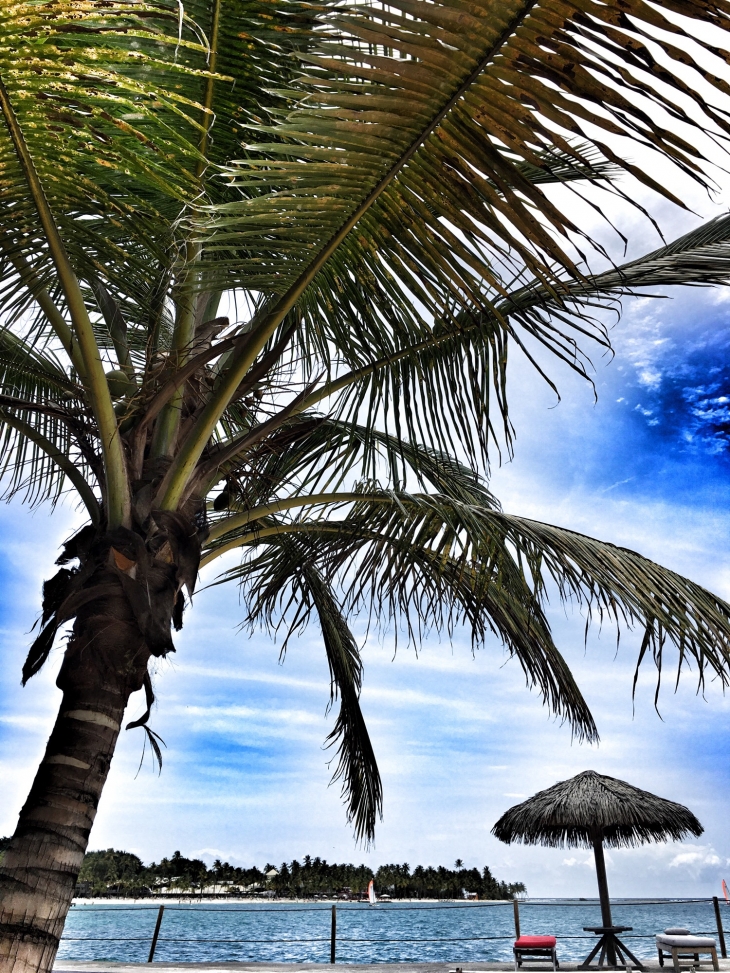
pixel 386 933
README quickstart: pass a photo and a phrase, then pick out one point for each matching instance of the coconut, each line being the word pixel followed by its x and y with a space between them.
pixel 120 384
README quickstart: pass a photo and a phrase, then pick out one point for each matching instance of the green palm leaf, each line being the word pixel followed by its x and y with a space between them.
pixel 458 366
pixel 41 407
pixel 395 129
pixel 290 580
pixel 101 150
pixel 435 561
pixel 391 557
pixel 453 370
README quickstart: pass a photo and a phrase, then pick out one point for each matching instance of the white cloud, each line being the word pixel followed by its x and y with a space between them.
pixel 695 858
pixel 650 377
pixel 210 714
pixel 690 858
pixel 25 722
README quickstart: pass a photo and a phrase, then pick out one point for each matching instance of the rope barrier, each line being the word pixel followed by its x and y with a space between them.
pixel 364 906
pixel 340 939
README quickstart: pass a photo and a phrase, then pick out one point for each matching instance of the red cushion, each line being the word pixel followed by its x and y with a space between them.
pixel 535 942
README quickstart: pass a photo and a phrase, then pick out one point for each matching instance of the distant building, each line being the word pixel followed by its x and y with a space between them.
pixel 218 888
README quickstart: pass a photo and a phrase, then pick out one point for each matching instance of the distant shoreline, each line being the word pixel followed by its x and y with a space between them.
pixel 156 900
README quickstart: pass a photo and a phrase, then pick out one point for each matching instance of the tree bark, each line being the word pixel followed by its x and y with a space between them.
pixel 105 661
pixel 124 596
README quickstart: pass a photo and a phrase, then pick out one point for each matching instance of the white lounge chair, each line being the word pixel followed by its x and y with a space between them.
pixel 676 944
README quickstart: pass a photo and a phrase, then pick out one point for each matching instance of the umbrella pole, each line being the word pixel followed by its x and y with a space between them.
pixel 597 837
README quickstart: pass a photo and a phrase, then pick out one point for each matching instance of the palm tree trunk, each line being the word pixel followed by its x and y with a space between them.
pixel 105 661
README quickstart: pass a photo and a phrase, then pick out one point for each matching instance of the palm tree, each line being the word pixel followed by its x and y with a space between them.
pixel 385 191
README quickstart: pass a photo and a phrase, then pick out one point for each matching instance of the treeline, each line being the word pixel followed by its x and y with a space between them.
pixel 114 872
pixel 443 883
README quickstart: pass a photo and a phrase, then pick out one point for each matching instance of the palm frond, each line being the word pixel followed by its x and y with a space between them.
pixel 104 149
pixel 116 104
pixel 291 581
pixel 402 557
pixel 618 583
pixel 33 372
pixel 416 125
pixel 700 258
pixel 436 562
pixel 440 387
pixel 41 408
pixel 314 454
pixel 38 466
pixel 356 766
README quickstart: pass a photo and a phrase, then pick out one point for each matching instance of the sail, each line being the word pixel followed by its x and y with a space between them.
pixel 371 893
pixel 725 891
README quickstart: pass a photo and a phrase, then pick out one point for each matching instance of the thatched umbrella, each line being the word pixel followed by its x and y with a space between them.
pixel 591 810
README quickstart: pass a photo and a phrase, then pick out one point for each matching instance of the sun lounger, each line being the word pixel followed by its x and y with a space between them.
pixel 676 944
pixel 534 947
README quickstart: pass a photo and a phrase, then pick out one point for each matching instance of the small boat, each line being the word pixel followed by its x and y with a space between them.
pixel 725 891
pixel 372 898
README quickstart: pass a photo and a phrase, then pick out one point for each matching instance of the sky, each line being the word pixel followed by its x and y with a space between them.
pixel 458 736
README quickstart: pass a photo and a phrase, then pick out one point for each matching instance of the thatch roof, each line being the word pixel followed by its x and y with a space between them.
pixel 566 813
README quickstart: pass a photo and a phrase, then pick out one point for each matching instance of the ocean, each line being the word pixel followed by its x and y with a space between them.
pixel 451 932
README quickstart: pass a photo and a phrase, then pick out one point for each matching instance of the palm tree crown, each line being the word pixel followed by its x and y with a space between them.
pixel 368 186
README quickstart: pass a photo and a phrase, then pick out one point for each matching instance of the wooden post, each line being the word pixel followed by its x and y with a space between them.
pixel 333 934
pixel 155 934
pixel 602 881
pixel 720 930
pixel 597 836
pixel 516 907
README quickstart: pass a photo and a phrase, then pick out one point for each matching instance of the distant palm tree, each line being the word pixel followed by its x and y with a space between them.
pixel 375 184
pixel 458 863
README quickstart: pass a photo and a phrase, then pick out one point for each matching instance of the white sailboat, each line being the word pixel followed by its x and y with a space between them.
pixel 372 898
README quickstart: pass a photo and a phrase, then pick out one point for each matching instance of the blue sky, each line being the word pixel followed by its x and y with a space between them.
pixel 458 737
